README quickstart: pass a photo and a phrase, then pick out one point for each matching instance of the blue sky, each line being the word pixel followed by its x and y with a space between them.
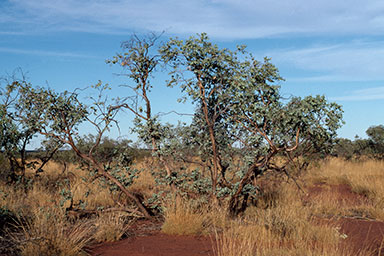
pixel 335 48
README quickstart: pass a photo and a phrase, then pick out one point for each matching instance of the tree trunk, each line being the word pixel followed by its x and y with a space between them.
pixel 236 205
pixel 130 195
pixel 108 176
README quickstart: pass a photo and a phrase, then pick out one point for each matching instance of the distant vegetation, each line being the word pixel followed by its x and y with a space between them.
pixel 372 147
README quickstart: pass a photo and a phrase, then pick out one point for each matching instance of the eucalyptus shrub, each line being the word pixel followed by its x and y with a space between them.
pixel 58 116
pixel 15 133
pixel 239 105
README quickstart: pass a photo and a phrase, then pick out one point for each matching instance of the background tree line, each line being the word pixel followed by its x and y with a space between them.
pixel 372 147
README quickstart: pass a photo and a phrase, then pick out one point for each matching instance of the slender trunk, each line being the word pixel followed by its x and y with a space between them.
pixel 235 205
pixel 164 162
pixel 45 160
pixel 108 176
pixel 153 139
pixel 211 130
pixel 130 195
pixel 214 159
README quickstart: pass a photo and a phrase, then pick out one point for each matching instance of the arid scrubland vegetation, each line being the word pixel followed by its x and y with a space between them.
pixel 257 173
pixel 42 220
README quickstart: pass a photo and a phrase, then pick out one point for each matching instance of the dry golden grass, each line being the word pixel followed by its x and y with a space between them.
pixel 283 223
pixel 93 194
pixel 44 228
pixel 110 227
pixel 365 178
pixel 24 203
pixel 257 240
pixel 181 218
pixel 287 228
pixel 48 233
pixel 53 170
pixel 48 186
pixel 144 184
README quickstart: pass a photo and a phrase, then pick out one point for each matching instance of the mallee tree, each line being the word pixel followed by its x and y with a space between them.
pixel 238 102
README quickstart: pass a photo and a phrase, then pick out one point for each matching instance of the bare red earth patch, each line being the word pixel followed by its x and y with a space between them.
pixel 147 240
pixel 363 234
pixel 157 245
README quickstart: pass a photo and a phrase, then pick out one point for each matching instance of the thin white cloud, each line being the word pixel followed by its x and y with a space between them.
pixel 46 53
pixel 376 93
pixel 12 33
pixel 219 18
pixel 349 61
pixel 230 19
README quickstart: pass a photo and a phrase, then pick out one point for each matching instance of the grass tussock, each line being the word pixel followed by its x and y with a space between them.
pixel 182 218
pixel 110 227
pixel 47 233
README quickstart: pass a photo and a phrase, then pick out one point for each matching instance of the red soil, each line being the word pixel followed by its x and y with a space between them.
pixel 146 239
pixel 157 244
pixel 363 234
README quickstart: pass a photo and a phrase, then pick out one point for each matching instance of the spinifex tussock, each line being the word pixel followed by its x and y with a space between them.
pixel 181 218
pixel 48 233
pixel 110 227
